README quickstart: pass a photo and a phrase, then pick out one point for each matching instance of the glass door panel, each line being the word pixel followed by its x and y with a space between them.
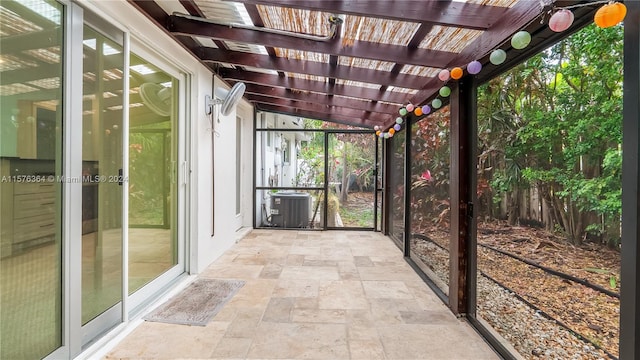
pixel 102 188
pixel 31 113
pixel 351 159
pixel 395 191
pixel 153 246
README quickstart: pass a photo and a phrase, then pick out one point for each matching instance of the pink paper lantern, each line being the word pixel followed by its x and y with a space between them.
pixel 444 75
pixel 561 20
pixel 409 107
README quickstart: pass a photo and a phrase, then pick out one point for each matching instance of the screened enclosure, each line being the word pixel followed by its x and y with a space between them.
pixel 311 174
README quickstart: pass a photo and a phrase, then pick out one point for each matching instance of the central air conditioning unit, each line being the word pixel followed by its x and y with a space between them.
pixel 290 209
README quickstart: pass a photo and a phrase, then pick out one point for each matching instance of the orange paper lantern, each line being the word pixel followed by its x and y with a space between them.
pixel 418 111
pixel 610 15
pixel 456 73
pixel 392 131
pixel 378 132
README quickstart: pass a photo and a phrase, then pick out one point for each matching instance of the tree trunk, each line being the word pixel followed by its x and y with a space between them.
pixel 514 207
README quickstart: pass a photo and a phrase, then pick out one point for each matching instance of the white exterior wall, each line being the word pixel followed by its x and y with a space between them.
pixel 203 248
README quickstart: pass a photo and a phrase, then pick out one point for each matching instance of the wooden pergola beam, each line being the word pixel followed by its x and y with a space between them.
pixel 318 108
pixel 328 100
pixel 311 68
pixel 315 86
pixel 447 13
pixel 359 49
pixel 336 118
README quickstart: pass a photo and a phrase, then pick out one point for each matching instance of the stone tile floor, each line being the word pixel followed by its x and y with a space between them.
pixel 315 295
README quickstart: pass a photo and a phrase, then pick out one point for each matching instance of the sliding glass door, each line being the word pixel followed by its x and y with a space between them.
pixel 102 181
pixel 155 184
pixel 32 108
pixel 87 130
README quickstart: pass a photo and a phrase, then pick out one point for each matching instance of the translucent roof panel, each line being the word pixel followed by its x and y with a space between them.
pixel 248 48
pixel 295 20
pixel 445 38
pixel 302 55
pixel 419 70
pixel 402 90
pixel 358 83
pixel 308 77
pixel 378 30
pixel 366 63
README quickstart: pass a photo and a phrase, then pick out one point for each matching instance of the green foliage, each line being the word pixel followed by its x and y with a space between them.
pixel 554 122
pixel 311 157
pixel 148 182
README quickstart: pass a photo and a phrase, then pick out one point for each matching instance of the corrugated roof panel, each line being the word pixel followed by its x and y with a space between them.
pixel 378 30
pixel 446 38
pixel 366 63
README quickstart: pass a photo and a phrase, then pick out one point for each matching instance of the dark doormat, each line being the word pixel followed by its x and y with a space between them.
pixel 197 304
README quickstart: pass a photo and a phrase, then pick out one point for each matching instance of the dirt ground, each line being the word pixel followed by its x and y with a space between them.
pixel 586 311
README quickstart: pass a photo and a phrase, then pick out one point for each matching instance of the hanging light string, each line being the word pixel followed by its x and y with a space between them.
pixel 583 5
pixel 519 41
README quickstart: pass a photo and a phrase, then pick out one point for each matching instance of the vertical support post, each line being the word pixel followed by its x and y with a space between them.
pixel 462 119
pixel 376 168
pixel 387 197
pixel 629 289
pixel 325 211
pixel 407 187
pixel 470 88
pixel 254 170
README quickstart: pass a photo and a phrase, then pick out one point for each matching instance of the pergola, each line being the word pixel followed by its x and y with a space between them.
pixel 358 62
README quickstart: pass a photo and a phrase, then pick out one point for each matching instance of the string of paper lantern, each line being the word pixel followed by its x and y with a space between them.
pixel 561 19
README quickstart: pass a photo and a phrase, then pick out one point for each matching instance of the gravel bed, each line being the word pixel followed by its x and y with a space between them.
pixel 530 333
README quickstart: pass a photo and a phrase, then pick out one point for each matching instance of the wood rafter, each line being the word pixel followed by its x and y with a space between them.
pixel 311 106
pixel 359 49
pixel 282 93
pixel 448 13
pixel 315 86
pixel 329 99
pixel 311 68
pixel 337 118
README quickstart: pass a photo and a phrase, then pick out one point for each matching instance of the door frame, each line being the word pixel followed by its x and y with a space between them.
pixel 74 337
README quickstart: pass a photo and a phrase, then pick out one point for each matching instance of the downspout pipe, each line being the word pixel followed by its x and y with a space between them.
pixel 334 20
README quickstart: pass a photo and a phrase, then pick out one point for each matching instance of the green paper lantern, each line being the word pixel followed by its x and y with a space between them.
pixel 399 120
pixel 445 91
pixel 436 103
pixel 498 56
pixel 520 40
pixel 403 111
